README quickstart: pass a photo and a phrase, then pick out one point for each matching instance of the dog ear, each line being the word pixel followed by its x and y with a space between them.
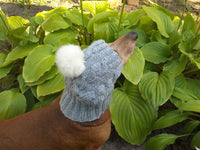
pixel 70 61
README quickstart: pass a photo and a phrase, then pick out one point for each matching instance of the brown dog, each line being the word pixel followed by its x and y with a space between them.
pixel 48 129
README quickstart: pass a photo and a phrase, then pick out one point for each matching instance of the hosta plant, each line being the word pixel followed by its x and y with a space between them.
pixel 164 67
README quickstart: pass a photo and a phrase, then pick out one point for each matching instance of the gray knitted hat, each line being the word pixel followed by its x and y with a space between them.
pixel 88 93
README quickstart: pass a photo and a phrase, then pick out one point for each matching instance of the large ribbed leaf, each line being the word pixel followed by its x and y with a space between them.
pixel 101 18
pixel 156 52
pixel 132 116
pixel 68 35
pixel 75 17
pixel 133 70
pixel 16 22
pixel 56 22
pixel 163 21
pixel 155 88
pixel 4 70
pixel 47 76
pixel 18 53
pixel 51 86
pixel 176 66
pixel 184 47
pixel 95 7
pixel 12 104
pixel 22 85
pixel 40 60
pixel 170 119
pixel 159 142
pixel 41 16
pixel 135 16
pixel 105 31
pixel 191 106
pixel 4 26
pixel 193 85
pixel 185 95
pixel 189 24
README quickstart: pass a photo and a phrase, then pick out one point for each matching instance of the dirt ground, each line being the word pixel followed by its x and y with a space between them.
pixel 114 142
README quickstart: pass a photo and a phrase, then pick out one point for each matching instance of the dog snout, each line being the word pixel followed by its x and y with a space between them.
pixel 133 35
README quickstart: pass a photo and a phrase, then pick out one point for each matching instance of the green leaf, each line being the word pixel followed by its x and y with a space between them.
pixel 132 116
pixel 56 22
pixel 174 38
pixel 40 60
pixel 135 16
pixel 191 125
pixel 45 101
pixel 170 119
pixel 133 70
pixel 193 85
pixel 12 104
pixel 192 105
pixel 17 22
pixel 51 86
pixel 197 45
pixel 105 31
pixel 176 66
pixel 22 85
pixel 142 38
pixel 157 37
pixel 4 26
pixel 163 21
pixel 95 7
pixel 4 70
pixel 177 102
pixel 55 37
pixel 101 18
pixel 185 95
pixel 147 25
pixel 159 142
pixel 47 76
pixel 75 17
pixel 185 47
pixel 30 100
pixel 195 140
pixel 155 88
pixel 189 24
pixel 42 16
pixel 180 81
pixel 156 52
pixel 18 53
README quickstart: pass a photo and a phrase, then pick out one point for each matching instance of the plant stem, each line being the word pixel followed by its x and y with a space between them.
pixel 182 16
pixel 25 8
pixel 81 6
pixel 120 19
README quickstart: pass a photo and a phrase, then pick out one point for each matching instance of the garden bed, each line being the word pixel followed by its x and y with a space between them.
pixel 115 142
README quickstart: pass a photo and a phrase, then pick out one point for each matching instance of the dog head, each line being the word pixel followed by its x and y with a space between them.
pixel 90 76
pixel 125 46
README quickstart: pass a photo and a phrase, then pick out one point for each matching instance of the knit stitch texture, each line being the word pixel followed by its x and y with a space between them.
pixel 86 97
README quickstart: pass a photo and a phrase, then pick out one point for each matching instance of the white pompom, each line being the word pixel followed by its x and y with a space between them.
pixel 70 61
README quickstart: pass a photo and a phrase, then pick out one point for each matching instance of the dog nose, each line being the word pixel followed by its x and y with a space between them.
pixel 133 35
